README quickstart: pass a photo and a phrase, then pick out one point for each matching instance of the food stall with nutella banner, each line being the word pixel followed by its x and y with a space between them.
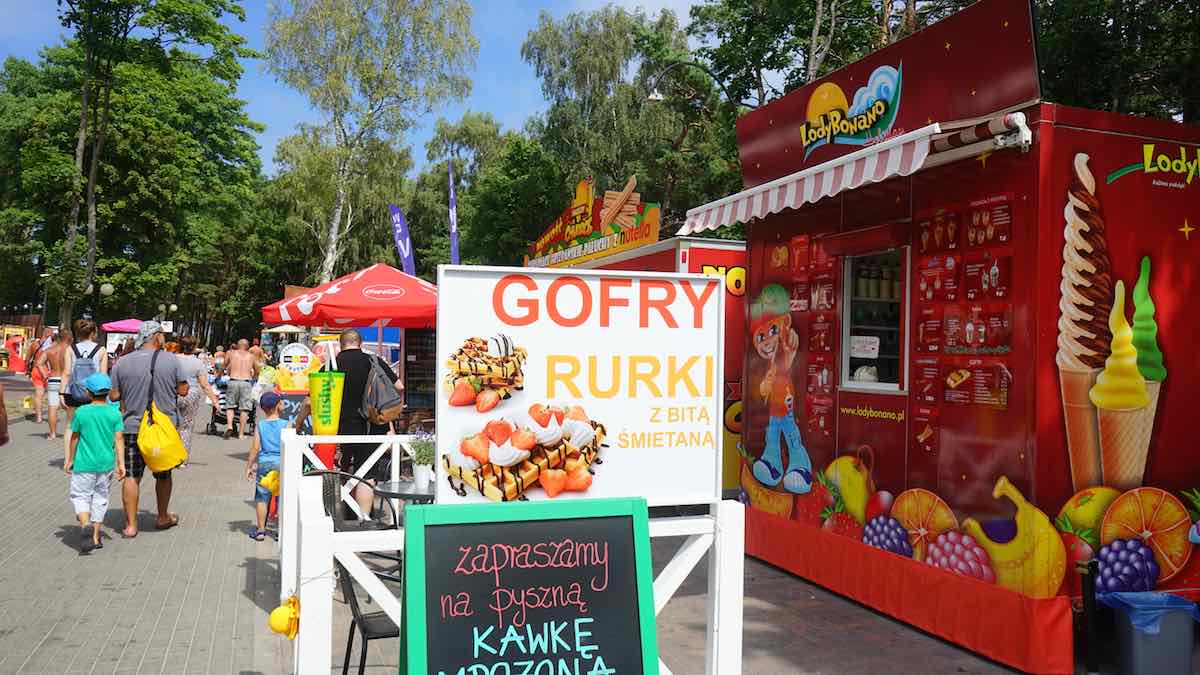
pixel 618 231
pixel 968 327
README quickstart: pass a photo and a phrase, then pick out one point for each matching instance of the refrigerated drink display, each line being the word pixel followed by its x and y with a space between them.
pixel 874 335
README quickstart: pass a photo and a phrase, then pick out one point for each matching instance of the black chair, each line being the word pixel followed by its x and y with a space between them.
pixel 373 626
pixel 332 481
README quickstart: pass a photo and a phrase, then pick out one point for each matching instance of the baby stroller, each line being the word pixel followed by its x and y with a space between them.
pixel 216 423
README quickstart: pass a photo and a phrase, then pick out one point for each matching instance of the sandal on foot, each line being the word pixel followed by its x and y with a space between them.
pixel 258 535
pixel 169 524
pixel 85 543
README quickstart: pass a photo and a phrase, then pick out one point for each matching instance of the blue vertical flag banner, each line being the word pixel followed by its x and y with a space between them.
pixel 453 218
pixel 404 246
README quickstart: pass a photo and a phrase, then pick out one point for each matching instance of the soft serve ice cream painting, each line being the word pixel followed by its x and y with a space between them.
pixel 562 384
pixel 1110 372
pixel 1083 334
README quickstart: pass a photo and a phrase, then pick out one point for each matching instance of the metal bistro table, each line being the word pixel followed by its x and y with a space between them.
pixel 405 491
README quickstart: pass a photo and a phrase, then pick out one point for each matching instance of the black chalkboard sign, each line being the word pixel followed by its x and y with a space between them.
pixel 529 587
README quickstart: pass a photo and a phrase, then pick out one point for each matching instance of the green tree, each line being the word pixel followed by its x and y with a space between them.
pixel 1128 56
pixel 116 32
pixel 371 66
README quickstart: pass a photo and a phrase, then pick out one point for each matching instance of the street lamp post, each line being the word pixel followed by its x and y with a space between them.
pixel 656 96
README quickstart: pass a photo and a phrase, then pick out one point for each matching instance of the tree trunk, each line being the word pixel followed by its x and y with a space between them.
pixel 93 174
pixel 885 23
pixel 66 308
pixel 329 260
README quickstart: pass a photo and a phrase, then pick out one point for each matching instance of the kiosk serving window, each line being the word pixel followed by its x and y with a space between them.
pixel 873 324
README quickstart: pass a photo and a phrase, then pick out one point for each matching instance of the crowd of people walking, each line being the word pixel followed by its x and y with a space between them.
pixel 103 402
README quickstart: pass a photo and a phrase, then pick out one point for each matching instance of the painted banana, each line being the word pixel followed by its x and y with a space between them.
pixel 1034 562
pixel 763 499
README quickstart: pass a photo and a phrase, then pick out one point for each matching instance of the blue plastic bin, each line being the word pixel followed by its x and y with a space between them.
pixel 1154 632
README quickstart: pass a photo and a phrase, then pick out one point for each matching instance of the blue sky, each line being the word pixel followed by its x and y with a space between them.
pixel 504 85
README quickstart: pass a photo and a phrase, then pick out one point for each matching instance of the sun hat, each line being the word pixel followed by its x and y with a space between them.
pixel 147 330
pixel 97 383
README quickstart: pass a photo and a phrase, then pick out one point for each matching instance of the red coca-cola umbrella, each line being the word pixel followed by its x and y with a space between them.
pixel 379 295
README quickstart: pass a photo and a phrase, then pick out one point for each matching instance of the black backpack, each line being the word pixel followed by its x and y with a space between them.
pixel 381 403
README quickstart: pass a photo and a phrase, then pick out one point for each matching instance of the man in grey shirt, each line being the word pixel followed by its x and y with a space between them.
pixel 131 386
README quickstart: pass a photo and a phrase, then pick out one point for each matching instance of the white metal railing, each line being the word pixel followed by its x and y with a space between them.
pixel 296 449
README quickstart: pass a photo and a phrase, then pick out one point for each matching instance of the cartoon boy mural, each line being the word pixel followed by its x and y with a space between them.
pixel 776 341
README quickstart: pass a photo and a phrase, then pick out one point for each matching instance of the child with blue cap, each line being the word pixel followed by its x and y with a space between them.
pixel 264 457
pixel 97 447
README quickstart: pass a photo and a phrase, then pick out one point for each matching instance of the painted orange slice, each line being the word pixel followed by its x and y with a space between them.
pixel 1156 517
pixel 925 516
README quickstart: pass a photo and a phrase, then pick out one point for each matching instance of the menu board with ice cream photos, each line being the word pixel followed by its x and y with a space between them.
pixel 989 220
pixel 820 375
pixel 937 278
pixel 986 275
pixel 938 230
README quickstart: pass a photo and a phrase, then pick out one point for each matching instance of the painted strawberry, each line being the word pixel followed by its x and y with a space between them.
pixel 1081 546
pixel 553 481
pixel 579 480
pixel 540 414
pixel 523 439
pixel 576 413
pixel 838 521
pixel 476 447
pixel 463 394
pixel 810 506
pixel 498 431
pixel 487 399
pixel 558 413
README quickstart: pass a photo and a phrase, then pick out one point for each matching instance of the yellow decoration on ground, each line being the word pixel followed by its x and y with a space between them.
pixel 285 619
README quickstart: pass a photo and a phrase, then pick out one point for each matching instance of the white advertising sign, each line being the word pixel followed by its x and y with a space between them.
pixel 114 340
pixel 864 346
pixel 571 384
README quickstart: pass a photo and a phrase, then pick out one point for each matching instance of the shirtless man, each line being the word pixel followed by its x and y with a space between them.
pixel 257 351
pixel 218 361
pixel 51 363
pixel 242 367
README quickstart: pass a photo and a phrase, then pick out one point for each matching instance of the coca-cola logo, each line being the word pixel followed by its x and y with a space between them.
pixel 383 292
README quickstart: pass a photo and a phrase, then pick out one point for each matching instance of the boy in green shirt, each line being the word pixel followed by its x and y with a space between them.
pixel 96 446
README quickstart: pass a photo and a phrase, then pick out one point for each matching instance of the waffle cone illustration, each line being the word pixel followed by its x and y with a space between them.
pixel 1083 429
pixel 1123 400
pixel 1084 306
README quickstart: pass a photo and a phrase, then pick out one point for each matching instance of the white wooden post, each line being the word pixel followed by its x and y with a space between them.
pixel 312 649
pixel 291 463
pixel 726 579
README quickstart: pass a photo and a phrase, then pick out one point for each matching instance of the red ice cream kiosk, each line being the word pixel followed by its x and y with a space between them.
pixel 969 316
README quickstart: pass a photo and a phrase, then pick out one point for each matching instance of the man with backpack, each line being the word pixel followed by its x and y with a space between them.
pixel 83 358
pixel 368 407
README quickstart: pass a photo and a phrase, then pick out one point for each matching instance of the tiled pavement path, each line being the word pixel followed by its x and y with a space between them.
pixel 194 599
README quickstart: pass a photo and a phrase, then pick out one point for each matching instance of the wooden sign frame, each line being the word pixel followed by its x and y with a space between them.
pixel 418 517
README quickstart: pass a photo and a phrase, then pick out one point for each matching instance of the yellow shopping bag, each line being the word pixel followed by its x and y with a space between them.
pixel 158 439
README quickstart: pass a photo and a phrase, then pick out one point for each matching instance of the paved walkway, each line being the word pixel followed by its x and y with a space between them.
pixel 194 599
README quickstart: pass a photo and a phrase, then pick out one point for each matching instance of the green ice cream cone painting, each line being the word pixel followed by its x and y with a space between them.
pixel 1124 459
pixel 1145 330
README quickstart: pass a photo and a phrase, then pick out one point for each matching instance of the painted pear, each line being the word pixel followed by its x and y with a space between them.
pixel 854 483
pixel 1034 562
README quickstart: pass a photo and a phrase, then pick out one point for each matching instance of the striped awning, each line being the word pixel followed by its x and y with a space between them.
pixel 899 156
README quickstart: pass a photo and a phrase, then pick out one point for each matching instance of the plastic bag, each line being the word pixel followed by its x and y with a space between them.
pixel 1145 610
